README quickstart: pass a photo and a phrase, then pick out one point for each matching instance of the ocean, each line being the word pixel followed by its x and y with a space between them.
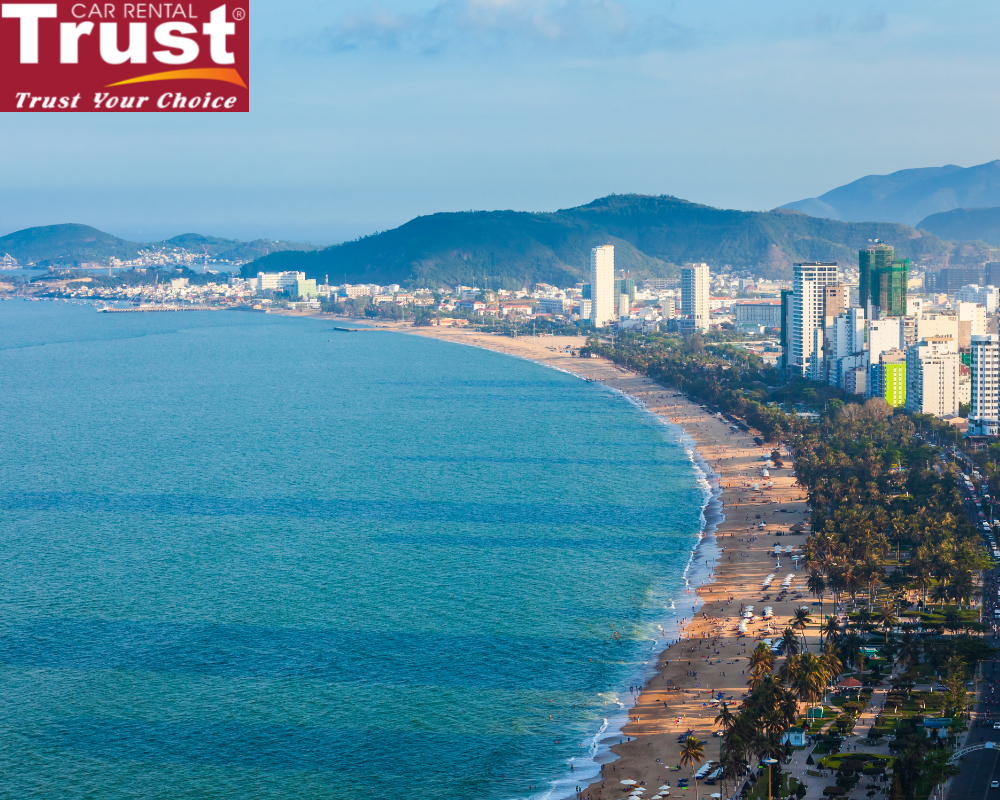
pixel 243 555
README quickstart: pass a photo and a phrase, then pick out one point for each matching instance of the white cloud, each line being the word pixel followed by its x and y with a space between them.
pixel 600 25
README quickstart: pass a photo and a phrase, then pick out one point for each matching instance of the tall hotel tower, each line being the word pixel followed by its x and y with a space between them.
pixel 602 285
pixel 695 299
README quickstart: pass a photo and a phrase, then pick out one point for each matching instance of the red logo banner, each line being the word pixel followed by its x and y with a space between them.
pixel 125 57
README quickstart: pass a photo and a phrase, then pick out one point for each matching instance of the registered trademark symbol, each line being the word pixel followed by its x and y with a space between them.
pixel 239 14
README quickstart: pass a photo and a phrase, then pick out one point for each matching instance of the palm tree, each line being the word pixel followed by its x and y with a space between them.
pixel 788 644
pixel 732 760
pixel 817 586
pixel 887 618
pixel 813 676
pixel 939 594
pixel 800 619
pixel 850 646
pixel 692 754
pixel 832 630
pixel 909 651
pixel 789 671
pixel 761 664
pixel 726 718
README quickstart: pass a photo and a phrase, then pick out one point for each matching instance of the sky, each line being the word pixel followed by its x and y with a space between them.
pixel 367 114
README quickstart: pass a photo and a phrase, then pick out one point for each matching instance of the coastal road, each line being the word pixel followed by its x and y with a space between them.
pixel 979 768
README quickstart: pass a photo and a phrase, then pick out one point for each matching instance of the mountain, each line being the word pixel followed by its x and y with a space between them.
pixel 66 244
pixel 229 249
pixel 965 224
pixel 73 245
pixel 907 196
pixel 652 235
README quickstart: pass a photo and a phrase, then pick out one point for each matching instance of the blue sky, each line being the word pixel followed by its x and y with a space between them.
pixel 368 114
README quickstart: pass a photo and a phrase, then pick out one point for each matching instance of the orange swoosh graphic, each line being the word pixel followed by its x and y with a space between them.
pixel 227 75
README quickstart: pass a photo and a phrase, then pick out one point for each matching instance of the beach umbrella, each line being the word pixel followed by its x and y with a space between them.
pixel 664 788
pixel 629 782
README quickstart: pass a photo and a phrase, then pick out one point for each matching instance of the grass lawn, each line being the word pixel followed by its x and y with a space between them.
pixel 833 762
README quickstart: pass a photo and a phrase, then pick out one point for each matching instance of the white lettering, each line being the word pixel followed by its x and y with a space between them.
pixel 164 35
pixel 29 14
pixel 217 30
pixel 99 97
pixel 83 10
pixel 164 97
pixel 136 53
pixel 76 100
pixel 21 97
pixel 230 102
pixel 69 40
pixel 111 102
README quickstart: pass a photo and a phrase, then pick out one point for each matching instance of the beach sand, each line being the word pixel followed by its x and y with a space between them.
pixel 711 657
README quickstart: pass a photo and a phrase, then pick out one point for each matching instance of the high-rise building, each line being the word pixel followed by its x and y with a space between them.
pixel 932 377
pixel 787 299
pixel 856 380
pixel 884 335
pixel 985 370
pixel 988 296
pixel 892 377
pixel 884 280
pixel 971 322
pixel 602 285
pixel 937 325
pixel 836 300
pixel 991 273
pixel 625 286
pixel 951 279
pixel 809 281
pixel 844 344
pixel 695 295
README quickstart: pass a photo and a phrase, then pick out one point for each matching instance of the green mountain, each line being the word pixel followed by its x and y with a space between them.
pixel 965 224
pixel 230 249
pixel 908 195
pixel 652 235
pixel 65 244
pixel 73 245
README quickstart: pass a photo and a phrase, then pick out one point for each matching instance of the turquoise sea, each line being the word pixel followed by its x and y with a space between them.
pixel 244 556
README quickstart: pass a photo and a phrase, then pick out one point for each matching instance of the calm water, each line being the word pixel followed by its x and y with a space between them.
pixel 246 556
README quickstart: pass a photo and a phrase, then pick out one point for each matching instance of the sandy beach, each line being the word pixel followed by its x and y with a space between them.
pixel 711 657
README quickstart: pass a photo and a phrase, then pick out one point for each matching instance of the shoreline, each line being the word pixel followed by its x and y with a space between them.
pixel 671 697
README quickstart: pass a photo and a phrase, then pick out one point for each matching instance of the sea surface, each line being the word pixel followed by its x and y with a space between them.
pixel 244 556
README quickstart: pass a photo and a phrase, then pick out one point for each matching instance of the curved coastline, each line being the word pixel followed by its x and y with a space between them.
pixel 697 573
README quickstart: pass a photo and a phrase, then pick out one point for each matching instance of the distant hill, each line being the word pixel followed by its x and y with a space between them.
pixel 652 235
pixel 72 245
pixel 965 224
pixel 231 249
pixel 65 244
pixel 907 196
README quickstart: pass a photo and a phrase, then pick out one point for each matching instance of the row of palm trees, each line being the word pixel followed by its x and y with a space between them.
pixel 755 731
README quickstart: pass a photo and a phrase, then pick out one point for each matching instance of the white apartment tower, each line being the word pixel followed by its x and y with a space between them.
pixel 985 366
pixel 602 285
pixel 932 377
pixel 695 295
pixel 808 315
